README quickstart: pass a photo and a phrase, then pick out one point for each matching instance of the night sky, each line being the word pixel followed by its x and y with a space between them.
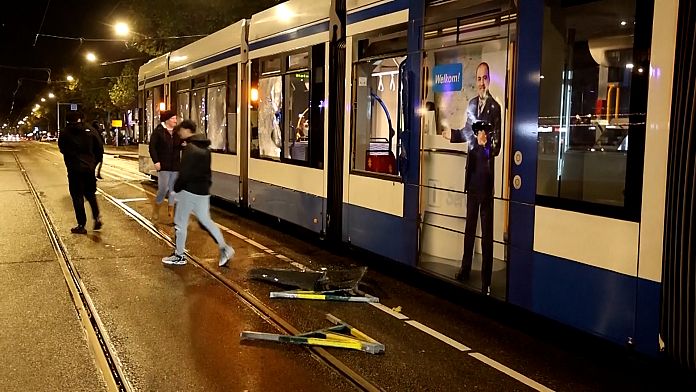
pixel 20 22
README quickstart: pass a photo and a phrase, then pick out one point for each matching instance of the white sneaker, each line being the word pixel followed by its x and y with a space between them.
pixel 226 254
pixel 174 259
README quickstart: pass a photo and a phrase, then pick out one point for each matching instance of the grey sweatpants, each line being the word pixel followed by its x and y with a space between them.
pixel 199 205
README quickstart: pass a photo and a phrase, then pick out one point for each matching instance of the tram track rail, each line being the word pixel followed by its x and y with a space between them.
pixel 250 300
pixel 98 340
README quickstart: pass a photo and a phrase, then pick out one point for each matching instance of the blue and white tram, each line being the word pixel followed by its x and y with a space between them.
pixel 578 211
pixel 152 98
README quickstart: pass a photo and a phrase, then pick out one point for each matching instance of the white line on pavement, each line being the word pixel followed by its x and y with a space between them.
pixel 388 310
pixel 517 376
pixel 132 200
pixel 438 335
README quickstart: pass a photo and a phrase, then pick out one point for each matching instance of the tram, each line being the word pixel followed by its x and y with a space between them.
pixel 337 116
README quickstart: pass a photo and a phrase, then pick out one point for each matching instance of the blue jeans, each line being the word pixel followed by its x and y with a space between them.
pixel 199 205
pixel 165 186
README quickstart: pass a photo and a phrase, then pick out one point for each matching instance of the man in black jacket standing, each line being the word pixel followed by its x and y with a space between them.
pixel 165 149
pixel 82 149
pixel 192 189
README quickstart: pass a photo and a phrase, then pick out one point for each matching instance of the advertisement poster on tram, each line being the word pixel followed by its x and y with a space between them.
pixel 464 134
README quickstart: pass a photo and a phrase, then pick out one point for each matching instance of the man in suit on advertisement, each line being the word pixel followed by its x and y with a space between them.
pixel 482 133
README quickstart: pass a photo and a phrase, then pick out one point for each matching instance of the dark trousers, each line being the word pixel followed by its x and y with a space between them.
pixel 474 204
pixel 83 185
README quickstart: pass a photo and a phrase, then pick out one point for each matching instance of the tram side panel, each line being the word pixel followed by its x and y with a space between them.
pixel 373 188
pixel 151 97
pixel 287 123
pixel 587 269
pixel 205 79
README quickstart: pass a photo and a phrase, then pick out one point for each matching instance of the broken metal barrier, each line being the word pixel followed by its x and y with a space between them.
pixel 341 335
pixel 338 285
pixel 332 295
pixel 311 280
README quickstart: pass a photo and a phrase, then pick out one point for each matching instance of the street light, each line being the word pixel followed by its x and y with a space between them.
pixel 122 29
pixel 70 78
pixel 91 57
pixel 51 95
pixel 43 99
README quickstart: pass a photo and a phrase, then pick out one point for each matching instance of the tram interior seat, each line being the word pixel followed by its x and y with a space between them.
pixel 298 150
pixel 379 158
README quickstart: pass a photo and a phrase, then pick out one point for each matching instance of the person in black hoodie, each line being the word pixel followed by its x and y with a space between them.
pixel 192 189
pixel 82 150
pixel 165 151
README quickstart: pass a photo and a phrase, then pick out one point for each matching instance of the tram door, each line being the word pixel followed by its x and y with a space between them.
pixel 465 142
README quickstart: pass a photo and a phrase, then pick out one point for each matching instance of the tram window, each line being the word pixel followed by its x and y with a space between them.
pixel 232 109
pixel 290 115
pixel 376 90
pixel 198 109
pixel 149 116
pixel 183 85
pixel 216 118
pixel 183 105
pixel 217 76
pixel 254 148
pixel 298 61
pixel 296 140
pixel 269 66
pixel 199 82
pixel 139 118
pixel 591 101
pixel 270 114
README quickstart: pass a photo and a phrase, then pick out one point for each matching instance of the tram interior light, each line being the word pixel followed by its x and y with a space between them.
pixel 254 95
pixel 162 106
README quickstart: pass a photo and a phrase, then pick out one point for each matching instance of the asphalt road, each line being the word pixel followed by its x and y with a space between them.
pixel 177 328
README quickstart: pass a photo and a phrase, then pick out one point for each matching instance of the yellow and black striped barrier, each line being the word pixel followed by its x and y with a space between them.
pixel 341 335
pixel 337 295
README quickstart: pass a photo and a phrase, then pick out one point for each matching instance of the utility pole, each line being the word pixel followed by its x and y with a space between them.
pixel 58 114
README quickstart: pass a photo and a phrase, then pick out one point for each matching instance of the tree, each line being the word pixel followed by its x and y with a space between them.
pixel 124 91
pixel 177 18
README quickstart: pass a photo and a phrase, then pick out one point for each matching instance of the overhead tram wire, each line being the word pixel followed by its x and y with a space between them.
pixel 83 39
pixel 19 80
pixel 42 22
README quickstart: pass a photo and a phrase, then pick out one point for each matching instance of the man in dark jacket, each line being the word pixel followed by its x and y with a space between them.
pixel 82 150
pixel 165 151
pixel 192 189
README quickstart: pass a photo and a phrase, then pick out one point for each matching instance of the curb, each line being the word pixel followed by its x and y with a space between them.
pixel 117 155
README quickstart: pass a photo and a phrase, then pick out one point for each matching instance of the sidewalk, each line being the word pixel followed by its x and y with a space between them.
pixel 126 152
pixel 42 343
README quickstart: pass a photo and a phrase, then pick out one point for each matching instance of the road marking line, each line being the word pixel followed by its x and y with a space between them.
pixel 437 335
pixel 389 311
pixel 130 174
pixel 256 244
pixel 517 376
pixel 132 200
